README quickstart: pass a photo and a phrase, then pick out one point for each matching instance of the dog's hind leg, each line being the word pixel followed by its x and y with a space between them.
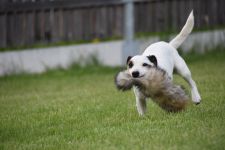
pixel 183 70
pixel 140 101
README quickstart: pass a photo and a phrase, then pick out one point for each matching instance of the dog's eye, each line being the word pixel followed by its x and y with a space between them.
pixel 144 64
pixel 130 65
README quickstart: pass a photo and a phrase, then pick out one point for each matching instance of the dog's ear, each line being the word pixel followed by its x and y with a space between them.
pixel 128 58
pixel 153 59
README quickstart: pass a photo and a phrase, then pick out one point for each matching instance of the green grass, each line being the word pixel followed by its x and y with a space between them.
pixel 81 109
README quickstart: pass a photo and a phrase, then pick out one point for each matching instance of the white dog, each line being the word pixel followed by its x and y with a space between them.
pixel 165 56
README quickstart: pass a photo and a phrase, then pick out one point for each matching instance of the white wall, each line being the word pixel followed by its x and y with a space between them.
pixel 107 53
pixel 39 60
pixel 199 41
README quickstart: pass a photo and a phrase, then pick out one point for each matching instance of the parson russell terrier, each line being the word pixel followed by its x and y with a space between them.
pixel 165 56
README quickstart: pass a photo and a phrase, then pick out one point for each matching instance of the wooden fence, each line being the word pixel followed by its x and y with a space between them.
pixel 44 21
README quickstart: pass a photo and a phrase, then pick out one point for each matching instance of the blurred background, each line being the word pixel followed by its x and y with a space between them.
pixel 114 29
pixel 78 46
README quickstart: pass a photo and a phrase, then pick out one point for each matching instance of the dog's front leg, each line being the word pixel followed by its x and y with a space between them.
pixel 140 101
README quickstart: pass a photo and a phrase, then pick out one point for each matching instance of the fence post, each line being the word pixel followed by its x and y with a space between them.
pixel 129 45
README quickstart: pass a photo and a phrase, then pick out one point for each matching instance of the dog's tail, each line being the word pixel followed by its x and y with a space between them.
pixel 186 30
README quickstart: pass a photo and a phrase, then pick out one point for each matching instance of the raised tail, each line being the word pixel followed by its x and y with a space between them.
pixel 186 30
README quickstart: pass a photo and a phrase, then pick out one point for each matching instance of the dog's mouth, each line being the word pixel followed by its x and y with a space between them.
pixel 139 76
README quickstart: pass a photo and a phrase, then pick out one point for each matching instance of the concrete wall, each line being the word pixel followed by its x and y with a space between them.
pixel 107 53
pixel 40 60
pixel 199 41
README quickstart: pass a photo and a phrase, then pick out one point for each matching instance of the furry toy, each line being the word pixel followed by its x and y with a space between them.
pixel 157 85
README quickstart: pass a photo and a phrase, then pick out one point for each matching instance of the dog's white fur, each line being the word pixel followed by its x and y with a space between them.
pixel 169 60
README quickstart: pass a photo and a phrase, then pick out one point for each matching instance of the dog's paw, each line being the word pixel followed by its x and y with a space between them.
pixel 197 103
pixel 196 98
pixel 141 114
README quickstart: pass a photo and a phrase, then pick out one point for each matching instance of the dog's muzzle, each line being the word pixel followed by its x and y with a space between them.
pixel 135 74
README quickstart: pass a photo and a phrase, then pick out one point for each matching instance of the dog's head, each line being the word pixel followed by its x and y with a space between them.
pixel 138 65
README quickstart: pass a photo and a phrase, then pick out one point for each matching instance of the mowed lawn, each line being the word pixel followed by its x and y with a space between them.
pixel 81 109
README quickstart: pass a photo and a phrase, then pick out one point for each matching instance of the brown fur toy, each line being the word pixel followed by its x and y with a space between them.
pixel 157 85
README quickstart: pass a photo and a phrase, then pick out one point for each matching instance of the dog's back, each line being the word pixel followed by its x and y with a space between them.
pixel 165 52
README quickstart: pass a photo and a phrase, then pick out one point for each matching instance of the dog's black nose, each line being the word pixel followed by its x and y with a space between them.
pixel 135 74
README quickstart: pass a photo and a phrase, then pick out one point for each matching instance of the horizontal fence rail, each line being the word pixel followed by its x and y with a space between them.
pixel 28 22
